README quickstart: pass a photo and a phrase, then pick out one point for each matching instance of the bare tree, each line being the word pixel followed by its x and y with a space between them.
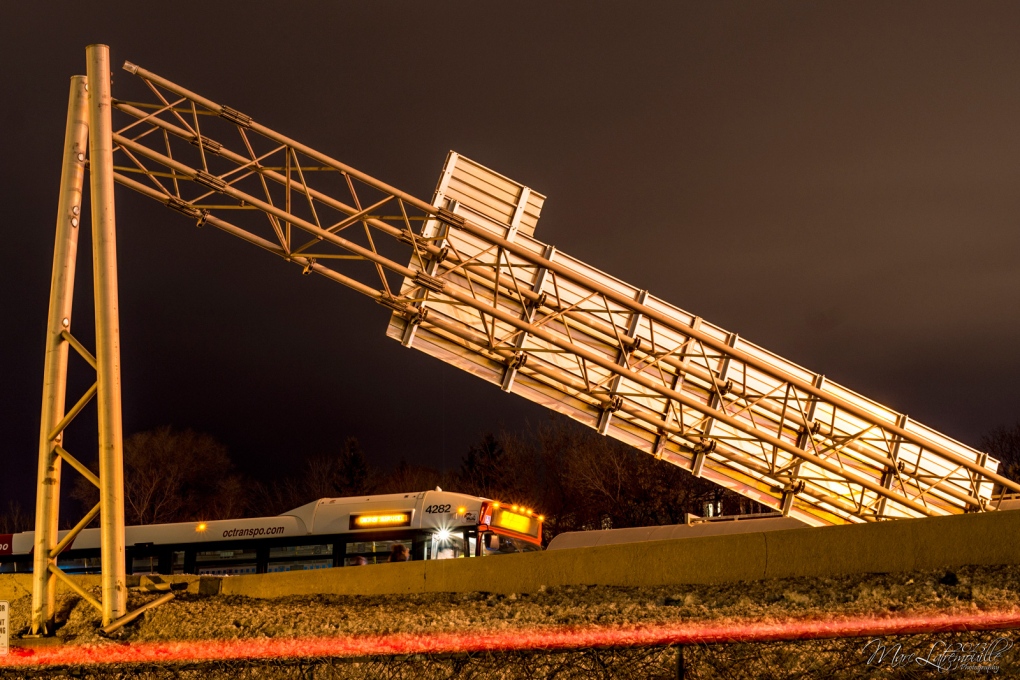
pixel 407 477
pixel 484 470
pixel 1003 443
pixel 174 476
pixel 15 519
pixel 276 497
pixel 346 473
pixel 582 480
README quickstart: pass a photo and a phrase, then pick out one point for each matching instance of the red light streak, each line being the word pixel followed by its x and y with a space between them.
pixel 550 639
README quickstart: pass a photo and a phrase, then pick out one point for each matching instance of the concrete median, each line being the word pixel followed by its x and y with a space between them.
pixel 904 545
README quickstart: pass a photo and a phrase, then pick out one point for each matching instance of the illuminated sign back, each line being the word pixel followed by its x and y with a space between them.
pixel 522 524
pixel 380 520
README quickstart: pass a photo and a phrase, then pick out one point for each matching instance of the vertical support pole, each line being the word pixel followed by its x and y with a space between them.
pixel 790 493
pixel 515 221
pixel 894 458
pixel 510 374
pixel 715 401
pixel 676 383
pixel 65 250
pixel 623 359
pixel 104 264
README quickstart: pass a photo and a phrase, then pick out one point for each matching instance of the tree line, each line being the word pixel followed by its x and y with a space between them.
pixel 577 478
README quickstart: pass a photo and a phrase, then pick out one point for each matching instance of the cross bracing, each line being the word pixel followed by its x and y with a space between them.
pixel 468 282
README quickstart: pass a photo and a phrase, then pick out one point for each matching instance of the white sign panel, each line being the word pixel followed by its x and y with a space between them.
pixel 5 626
pixel 555 330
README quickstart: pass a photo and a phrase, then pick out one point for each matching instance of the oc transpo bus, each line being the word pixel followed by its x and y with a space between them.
pixel 330 532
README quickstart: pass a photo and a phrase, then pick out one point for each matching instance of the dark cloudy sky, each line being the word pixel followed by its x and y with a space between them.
pixel 838 182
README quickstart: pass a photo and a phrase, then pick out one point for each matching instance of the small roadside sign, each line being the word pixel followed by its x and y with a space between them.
pixel 5 626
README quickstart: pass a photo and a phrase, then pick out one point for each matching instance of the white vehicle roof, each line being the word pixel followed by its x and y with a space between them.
pixel 586 539
pixel 427 509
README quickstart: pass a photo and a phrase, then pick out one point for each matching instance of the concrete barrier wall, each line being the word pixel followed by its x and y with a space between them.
pixel 903 545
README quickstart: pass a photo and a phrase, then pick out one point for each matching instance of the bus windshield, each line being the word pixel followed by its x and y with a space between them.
pixel 495 544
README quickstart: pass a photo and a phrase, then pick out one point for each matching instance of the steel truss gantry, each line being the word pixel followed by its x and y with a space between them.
pixel 585 343
pixel 470 284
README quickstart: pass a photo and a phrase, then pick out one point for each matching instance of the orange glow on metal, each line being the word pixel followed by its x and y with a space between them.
pixel 377 520
pixel 202 526
pixel 514 508
pixel 461 510
pixel 541 518
pixel 495 504
pixel 546 638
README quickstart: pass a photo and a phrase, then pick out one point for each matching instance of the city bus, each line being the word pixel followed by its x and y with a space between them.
pixel 330 532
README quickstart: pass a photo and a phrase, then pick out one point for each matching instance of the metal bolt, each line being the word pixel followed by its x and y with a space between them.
pixel 75 210
pixel 74 221
pixel 65 322
pixel 81 157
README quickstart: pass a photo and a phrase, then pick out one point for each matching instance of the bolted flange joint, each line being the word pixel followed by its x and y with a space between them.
pixel 418 318
pixel 398 306
pixel 813 427
pixel 705 446
pixel 212 181
pixel 188 210
pixel 210 145
pixel 447 217
pixel 235 117
pixel 432 283
pixel 614 404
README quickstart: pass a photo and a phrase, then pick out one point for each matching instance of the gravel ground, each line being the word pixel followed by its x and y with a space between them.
pixel 194 617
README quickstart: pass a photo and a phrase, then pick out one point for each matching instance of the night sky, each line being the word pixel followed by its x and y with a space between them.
pixel 839 183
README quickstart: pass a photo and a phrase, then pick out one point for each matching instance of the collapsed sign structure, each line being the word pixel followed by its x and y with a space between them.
pixel 473 286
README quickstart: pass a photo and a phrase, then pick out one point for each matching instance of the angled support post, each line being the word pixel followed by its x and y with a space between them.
pixel 58 323
pixel 104 266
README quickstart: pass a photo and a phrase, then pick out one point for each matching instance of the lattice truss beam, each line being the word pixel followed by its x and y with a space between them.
pixel 468 283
